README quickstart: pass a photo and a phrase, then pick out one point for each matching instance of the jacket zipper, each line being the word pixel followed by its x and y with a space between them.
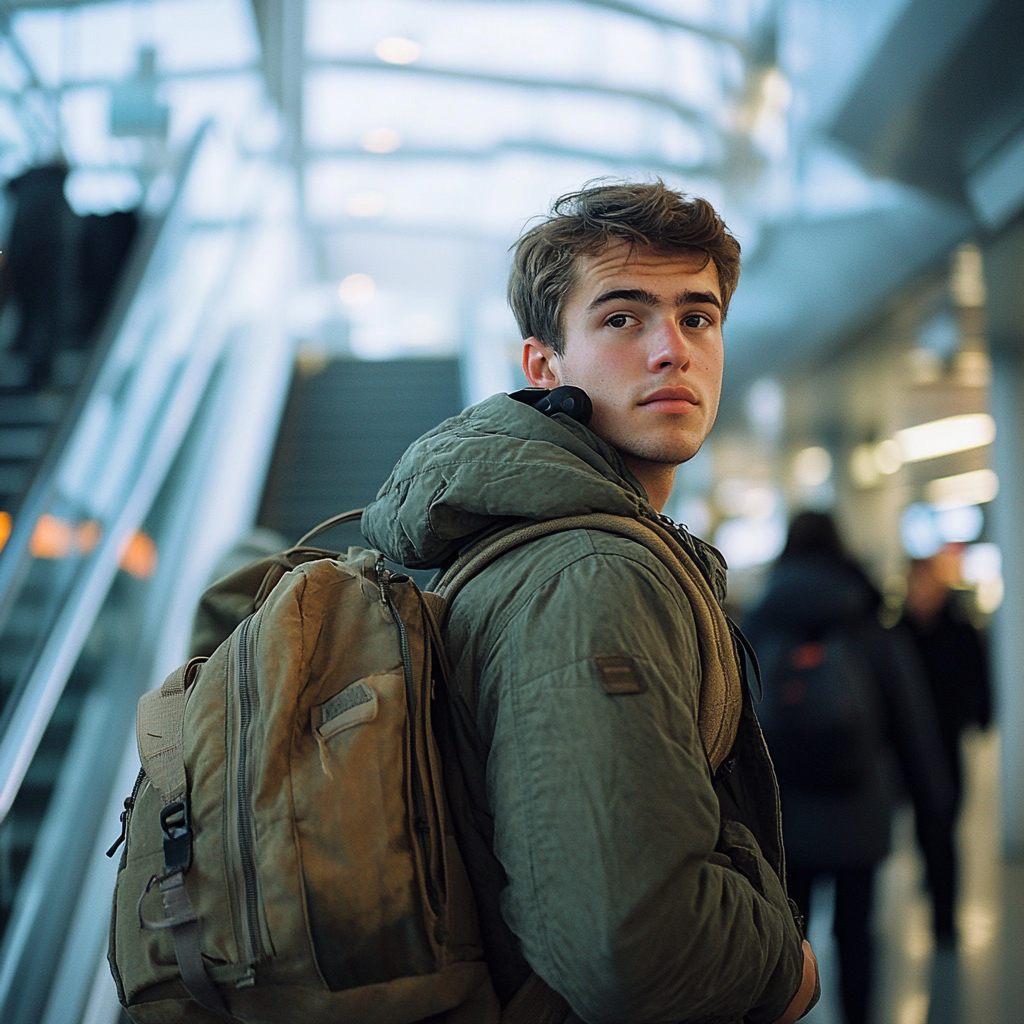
pixel 245 835
pixel 421 823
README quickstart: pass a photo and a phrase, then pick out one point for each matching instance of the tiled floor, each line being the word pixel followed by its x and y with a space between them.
pixel 982 983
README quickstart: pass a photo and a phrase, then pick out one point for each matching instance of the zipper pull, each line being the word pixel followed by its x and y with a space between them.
pixel 129 803
pixel 382 579
pixel 247 980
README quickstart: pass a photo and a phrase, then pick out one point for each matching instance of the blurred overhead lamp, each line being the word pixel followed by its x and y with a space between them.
pixel 381 140
pixel 981 563
pixel 812 467
pixel 396 50
pixel 967 279
pixel 945 436
pixel 863 469
pixel 888 457
pixel 974 488
pixel 357 289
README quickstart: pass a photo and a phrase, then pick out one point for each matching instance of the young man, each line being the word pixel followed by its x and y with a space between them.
pixel 604 853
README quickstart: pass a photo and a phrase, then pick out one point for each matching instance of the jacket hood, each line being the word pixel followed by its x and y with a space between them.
pixel 812 592
pixel 497 461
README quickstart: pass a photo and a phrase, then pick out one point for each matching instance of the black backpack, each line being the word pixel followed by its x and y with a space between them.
pixel 820 711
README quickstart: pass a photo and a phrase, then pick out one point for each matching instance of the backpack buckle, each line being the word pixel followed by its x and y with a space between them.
pixel 176 825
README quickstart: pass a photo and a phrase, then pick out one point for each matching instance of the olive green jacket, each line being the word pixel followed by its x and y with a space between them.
pixel 635 885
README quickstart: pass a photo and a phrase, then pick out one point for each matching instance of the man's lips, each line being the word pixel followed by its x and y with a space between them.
pixel 677 399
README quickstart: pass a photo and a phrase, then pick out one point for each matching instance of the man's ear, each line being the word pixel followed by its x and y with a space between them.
pixel 540 364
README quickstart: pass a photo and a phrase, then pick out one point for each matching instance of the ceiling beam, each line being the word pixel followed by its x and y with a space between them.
pixel 652 162
pixel 685 112
pixel 662 20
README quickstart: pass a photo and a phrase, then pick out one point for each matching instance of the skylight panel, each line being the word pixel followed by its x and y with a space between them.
pixel 197 35
pixel 569 42
pixel 13 140
pixel 342 106
pixel 494 199
pixel 100 41
pixel 85 125
pixel 12 73
pixel 231 101
pixel 39 33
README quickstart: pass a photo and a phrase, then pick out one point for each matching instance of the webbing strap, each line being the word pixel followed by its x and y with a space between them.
pixel 158 731
pixel 160 734
pixel 721 693
pixel 181 918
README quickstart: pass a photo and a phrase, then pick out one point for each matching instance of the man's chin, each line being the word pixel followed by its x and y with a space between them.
pixel 674 454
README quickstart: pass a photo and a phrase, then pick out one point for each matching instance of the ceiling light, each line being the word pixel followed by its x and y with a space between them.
pixel 381 140
pixel 812 467
pixel 981 563
pixel 974 488
pixel 946 436
pixel 396 50
pixel 357 289
pixel 888 457
pixel 366 204
pixel 967 280
pixel 863 468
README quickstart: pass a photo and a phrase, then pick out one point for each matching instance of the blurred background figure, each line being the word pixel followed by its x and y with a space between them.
pixel 847 718
pixel 955 666
pixel 60 270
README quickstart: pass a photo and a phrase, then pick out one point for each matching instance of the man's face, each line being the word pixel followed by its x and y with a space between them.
pixel 643 338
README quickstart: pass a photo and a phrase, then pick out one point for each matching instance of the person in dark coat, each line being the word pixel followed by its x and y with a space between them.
pixel 956 667
pixel 819 605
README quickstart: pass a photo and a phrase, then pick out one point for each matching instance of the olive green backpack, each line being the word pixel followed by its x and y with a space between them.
pixel 289 854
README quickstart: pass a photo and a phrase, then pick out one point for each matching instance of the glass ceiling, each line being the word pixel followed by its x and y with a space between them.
pixel 423 134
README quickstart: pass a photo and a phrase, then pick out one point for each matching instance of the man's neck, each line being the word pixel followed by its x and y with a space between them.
pixel 657 479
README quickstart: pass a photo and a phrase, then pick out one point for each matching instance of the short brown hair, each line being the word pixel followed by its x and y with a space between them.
pixel 648 216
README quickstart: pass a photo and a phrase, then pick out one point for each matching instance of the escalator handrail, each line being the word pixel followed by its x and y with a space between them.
pixel 30 708
pixel 16 557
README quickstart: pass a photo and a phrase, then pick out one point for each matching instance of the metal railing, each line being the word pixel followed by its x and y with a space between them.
pixel 119 441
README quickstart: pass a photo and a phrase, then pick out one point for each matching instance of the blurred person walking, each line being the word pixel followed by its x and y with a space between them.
pixel 955 665
pixel 847 717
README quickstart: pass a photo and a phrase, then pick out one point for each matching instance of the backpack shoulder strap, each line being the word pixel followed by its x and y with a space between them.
pixel 721 695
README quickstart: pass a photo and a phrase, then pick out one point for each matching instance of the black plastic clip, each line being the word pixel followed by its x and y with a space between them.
pixel 176 823
pixel 572 401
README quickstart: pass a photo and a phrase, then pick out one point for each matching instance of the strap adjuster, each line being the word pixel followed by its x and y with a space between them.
pixel 176 825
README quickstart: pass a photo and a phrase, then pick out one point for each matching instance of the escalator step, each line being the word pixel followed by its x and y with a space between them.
pixel 45 407
pixel 344 429
pixel 22 442
pixel 14 479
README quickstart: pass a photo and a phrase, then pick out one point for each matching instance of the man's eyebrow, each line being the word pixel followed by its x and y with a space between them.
pixel 629 294
pixel 647 298
pixel 686 298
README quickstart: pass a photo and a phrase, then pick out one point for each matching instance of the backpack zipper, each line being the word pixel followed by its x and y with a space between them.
pixel 421 823
pixel 245 833
pixel 126 814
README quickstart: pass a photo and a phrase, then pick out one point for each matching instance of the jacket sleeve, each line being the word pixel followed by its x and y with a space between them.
pixel 606 821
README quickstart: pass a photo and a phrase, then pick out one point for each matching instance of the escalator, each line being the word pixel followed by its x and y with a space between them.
pixel 191 429
pixel 126 500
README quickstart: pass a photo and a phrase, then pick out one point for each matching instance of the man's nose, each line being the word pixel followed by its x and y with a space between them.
pixel 670 347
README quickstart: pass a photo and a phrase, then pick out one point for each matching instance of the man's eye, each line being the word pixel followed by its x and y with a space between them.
pixel 619 320
pixel 695 320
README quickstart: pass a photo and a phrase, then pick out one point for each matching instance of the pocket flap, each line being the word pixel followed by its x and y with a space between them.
pixel 353 706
